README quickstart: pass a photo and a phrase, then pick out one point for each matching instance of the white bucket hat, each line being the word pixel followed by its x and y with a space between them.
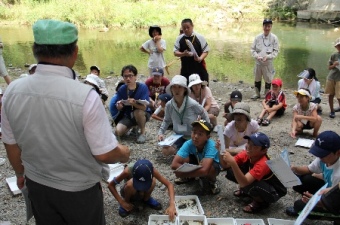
pixel 195 79
pixel 91 78
pixel 242 108
pixel 179 80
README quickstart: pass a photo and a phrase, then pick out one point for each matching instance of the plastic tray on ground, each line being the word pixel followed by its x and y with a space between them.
pixel 12 184
pixel 249 222
pixel 221 221
pixel 273 221
pixel 161 220
pixel 188 205
pixel 192 220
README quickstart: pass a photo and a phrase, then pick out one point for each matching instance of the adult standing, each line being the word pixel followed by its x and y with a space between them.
pixel 264 49
pixel 3 70
pixel 192 62
pixel 56 132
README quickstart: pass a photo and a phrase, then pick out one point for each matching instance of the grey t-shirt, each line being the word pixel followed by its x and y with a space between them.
pixel 334 74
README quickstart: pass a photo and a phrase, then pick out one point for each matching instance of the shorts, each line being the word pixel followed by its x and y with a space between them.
pixel 333 88
pixel 265 71
pixel 130 122
pixel 280 112
pixel 178 144
pixel 307 126
pixel 193 160
pixel 214 110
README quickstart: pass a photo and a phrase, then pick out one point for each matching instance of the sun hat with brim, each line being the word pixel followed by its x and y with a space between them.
pixel 54 32
pixel 259 139
pixel 241 108
pixel 178 80
pixel 325 143
pixel 195 79
pixel 302 92
pixel 92 79
pixel 337 42
pixel 142 175
pixel 204 124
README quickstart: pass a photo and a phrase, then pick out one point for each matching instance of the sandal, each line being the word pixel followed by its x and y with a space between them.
pixel 265 122
pixel 255 207
pixel 259 120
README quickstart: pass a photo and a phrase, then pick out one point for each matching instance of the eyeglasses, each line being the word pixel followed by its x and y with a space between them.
pixel 128 76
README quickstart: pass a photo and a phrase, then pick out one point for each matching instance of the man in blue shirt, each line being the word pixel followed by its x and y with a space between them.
pixel 128 95
pixel 199 150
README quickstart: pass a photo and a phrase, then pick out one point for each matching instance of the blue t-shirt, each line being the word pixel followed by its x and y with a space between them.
pixel 209 151
pixel 141 93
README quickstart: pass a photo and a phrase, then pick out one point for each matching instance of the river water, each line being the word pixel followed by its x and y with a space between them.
pixel 301 45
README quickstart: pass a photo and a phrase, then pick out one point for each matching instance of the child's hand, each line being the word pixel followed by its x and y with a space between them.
pixel 171 211
pixel 228 158
pixel 127 206
pixel 218 145
pixel 157 38
pixel 306 196
pixel 160 137
pixel 293 134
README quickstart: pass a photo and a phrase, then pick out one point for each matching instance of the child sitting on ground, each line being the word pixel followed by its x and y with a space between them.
pixel 200 150
pixel 141 180
pixel 305 114
pixel 249 169
pixel 310 82
pixel 240 126
pixel 327 150
pixel 235 97
pixel 159 112
pixel 273 104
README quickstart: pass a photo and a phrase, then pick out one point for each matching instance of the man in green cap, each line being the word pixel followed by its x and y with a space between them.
pixel 56 133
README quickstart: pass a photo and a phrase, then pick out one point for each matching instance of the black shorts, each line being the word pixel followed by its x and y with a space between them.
pixel 129 121
pixel 193 160
pixel 316 101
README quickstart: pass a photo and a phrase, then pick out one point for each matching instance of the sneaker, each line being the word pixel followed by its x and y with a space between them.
pixel 122 212
pixel 332 115
pixel 214 188
pixel 337 109
pixel 255 97
pixel 153 203
pixel 290 211
pixel 141 139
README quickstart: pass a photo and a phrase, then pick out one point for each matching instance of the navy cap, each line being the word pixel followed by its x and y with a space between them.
pixel 165 97
pixel 236 96
pixel 325 143
pixel 157 71
pixel 142 174
pixel 267 21
pixel 259 139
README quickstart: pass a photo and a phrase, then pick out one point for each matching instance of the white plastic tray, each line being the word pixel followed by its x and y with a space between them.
pixel 188 205
pixel 273 221
pixel 115 170
pixel 192 220
pixel 221 221
pixel 249 222
pixel 161 220
pixel 12 183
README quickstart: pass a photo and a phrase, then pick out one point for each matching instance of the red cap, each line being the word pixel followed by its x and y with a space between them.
pixel 277 82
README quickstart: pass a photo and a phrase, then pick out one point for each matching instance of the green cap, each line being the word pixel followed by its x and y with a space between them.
pixel 54 32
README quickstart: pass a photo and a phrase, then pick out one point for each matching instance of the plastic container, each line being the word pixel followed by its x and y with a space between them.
pixel 188 205
pixel 12 183
pixel 273 221
pixel 221 221
pixel 249 222
pixel 192 220
pixel 161 220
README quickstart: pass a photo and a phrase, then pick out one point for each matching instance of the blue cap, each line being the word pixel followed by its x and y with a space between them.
pixel 259 139
pixel 157 71
pixel 165 97
pixel 142 174
pixel 325 143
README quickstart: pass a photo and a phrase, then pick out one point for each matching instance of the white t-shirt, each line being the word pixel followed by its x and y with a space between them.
pixel 156 59
pixel 331 174
pixel 237 138
pixel 205 94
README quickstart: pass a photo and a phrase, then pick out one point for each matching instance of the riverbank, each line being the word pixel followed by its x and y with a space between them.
pixel 12 208
pixel 134 13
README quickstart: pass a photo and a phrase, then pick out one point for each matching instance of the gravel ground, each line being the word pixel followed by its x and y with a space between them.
pixel 12 208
